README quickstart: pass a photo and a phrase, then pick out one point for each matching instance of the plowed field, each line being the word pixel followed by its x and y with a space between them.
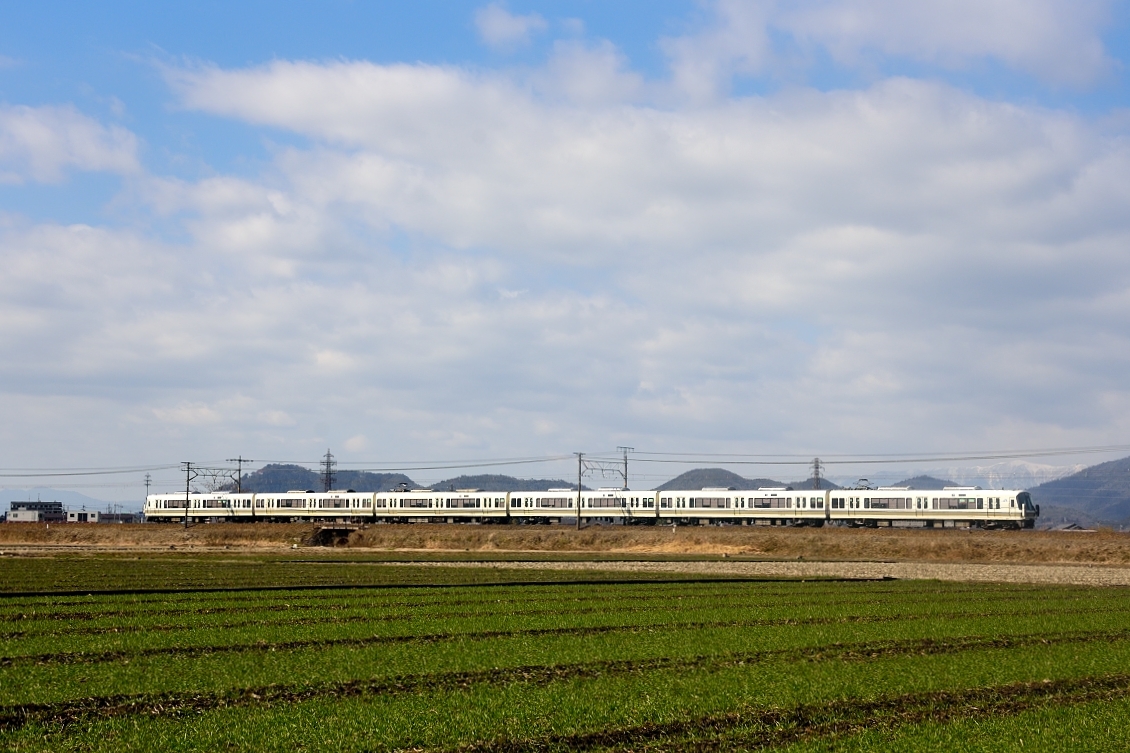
pixel 214 652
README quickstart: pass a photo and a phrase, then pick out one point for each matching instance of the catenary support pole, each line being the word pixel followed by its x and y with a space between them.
pixel 626 450
pixel 187 481
pixel 580 466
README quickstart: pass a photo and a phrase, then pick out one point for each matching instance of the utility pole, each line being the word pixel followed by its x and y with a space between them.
pixel 148 481
pixel 626 450
pixel 239 461
pixel 816 466
pixel 328 465
pixel 580 468
pixel 187 481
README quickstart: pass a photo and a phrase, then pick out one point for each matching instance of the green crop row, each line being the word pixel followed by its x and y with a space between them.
pixel 848 595
pixel 357 619
pixel 557 665
pixel 570 714
pixel 65 574
pixel 1094 727
pixel 326 662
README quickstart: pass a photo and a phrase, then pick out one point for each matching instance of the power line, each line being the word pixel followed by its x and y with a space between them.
pixel 771 459
pixel 873 460
pixel 685 458
pixel 458 465
pixel 46 473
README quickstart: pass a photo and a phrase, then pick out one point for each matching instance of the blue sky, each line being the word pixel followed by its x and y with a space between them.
pixel 479 230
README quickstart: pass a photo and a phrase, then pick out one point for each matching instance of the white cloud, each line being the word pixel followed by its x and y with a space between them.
pixel 590 74
pixel 276 418
pixel 459 261
pixel 41 143
pixel 192 414
pixel 501 29
pixel 1057 41
pixel 737 41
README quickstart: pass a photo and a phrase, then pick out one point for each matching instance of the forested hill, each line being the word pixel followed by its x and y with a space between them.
pixel 284 478
pixel 497 483
pixel 701 478
pixel 925 482
pixel 1101 493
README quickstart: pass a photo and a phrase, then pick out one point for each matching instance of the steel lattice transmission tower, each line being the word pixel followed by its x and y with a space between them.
pixel 328 475
pixel 817 466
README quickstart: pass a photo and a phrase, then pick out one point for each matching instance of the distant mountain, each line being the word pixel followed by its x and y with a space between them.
pixel 925 482
pixel 701 478
pixel 363 481
pixel 1101 492
pixel 497 483
pixel 1010 474
pixel 283 478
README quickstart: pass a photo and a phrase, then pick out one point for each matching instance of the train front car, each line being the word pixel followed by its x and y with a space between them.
pixel 211 507
pixel 953 506
pixel 165 508
pixel 983 508
pixel 1029 510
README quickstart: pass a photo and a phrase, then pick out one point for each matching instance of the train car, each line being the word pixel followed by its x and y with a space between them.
pixel 715 504
pixel 425 505
pixel 544 506
pixel 303 505
pixel 640 507
pixel 616 504
pixel 952 506
pixel 207 507
pixel 766 506
pixel 782 505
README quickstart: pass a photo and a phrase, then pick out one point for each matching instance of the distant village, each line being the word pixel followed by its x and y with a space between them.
pixel 54 512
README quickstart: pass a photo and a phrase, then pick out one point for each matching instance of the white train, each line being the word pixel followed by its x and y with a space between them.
pixel 951 506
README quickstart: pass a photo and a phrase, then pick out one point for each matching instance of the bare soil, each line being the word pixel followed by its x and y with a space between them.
pixel 830 544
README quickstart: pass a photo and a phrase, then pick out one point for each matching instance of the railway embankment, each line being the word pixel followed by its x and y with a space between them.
pixel 457 541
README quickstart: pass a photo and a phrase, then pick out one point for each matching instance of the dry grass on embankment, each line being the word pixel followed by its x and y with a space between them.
pixel 752 542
